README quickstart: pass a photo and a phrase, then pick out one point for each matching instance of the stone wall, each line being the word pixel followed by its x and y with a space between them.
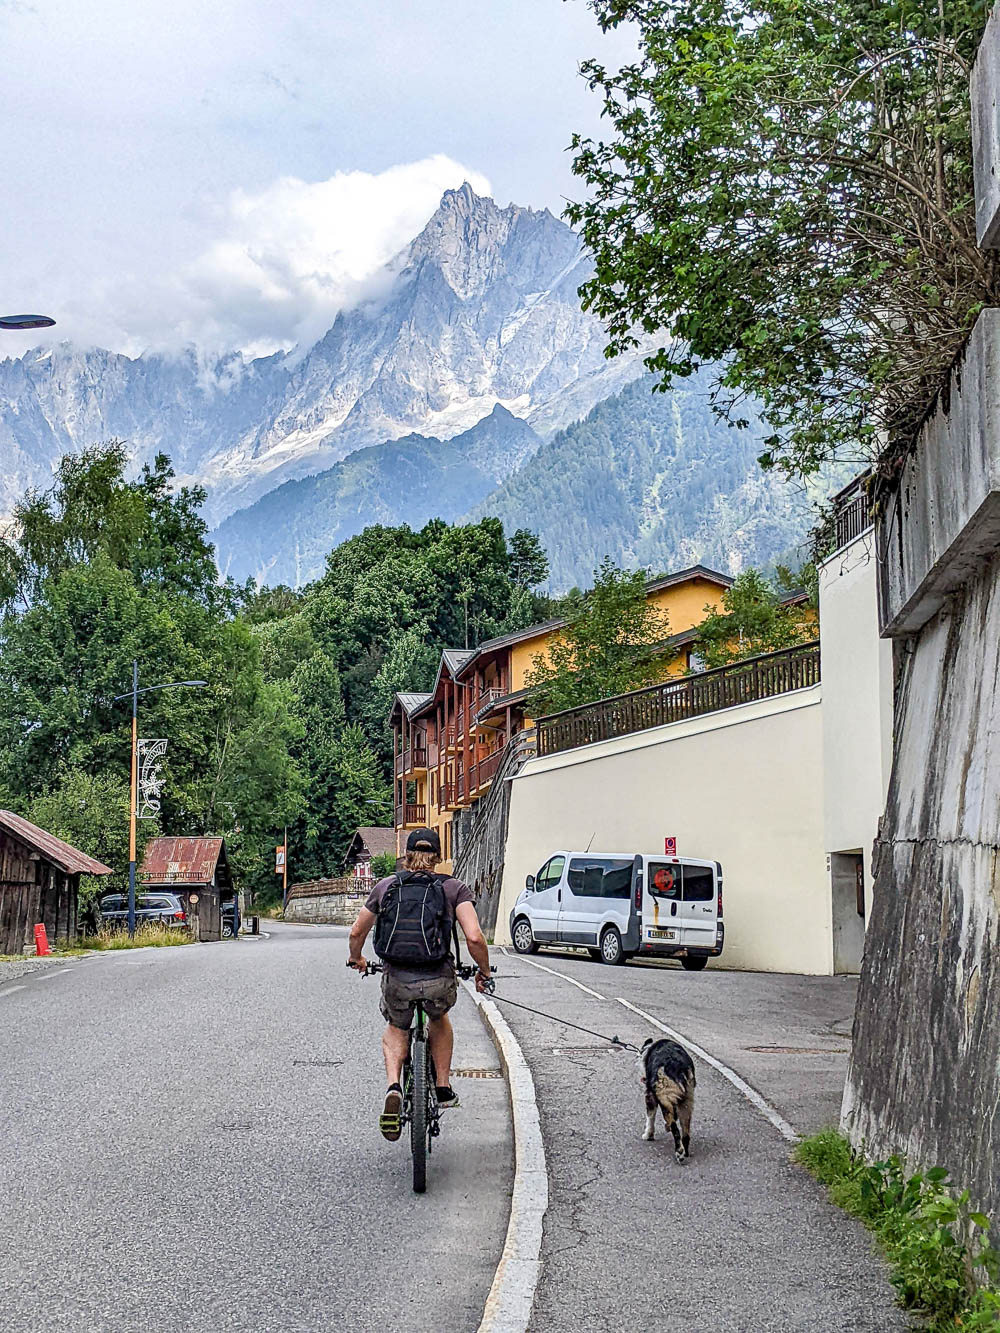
pixel 332 902
pixel 480 839
pixel 925 1067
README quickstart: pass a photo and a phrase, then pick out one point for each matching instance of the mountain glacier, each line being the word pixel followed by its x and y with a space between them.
pixel 480 309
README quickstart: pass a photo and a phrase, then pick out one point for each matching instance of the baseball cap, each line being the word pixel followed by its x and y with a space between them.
pixel 424 840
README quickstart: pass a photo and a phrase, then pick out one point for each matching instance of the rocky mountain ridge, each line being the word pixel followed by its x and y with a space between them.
pixel 480 309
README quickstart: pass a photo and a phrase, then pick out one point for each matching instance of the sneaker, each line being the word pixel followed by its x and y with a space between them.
pixel 447 1099
pixel 390 1122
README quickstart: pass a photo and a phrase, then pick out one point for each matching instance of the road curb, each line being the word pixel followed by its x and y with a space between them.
pixel 508 1306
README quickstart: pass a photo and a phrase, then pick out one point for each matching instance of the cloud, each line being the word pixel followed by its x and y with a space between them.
pixel 271 269
pixel 288 258
pixel 293 255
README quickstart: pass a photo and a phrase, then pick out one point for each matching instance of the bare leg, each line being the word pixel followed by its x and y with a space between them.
pixel 395 1044
pixel 442 1043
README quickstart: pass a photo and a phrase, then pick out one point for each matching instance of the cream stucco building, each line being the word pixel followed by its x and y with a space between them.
pixel 785 791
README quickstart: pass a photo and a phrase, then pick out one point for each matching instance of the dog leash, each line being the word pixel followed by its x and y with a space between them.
pixel 614 1041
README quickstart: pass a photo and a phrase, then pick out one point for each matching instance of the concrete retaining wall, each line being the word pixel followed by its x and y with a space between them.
pixel 925 1067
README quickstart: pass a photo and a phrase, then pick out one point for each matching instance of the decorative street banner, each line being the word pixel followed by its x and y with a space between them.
pixel 150 755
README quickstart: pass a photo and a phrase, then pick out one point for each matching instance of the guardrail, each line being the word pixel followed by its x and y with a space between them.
pixel 754 678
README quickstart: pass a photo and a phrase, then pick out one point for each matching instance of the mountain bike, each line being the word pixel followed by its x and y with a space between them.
pixel 419 1083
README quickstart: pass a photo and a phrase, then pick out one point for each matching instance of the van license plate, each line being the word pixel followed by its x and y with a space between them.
pixel 663 934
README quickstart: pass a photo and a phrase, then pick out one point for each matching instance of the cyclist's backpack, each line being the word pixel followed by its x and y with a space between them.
pixel 413 928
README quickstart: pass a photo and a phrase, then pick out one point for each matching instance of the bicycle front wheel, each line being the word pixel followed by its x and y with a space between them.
pixel 418 1118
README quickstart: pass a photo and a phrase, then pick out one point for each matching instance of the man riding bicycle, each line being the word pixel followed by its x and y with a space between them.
pixel 414 912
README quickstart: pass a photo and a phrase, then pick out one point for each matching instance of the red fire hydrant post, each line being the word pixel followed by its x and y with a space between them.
pixel 41 941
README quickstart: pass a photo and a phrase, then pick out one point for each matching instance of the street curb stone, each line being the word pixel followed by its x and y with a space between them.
pixel 508 1306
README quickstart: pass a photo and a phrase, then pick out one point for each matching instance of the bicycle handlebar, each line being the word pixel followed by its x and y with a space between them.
pixel 465 970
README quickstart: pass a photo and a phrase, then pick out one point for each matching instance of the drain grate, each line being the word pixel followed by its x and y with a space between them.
pixel 323 1064
pixel 799 1050
pixel 477 1073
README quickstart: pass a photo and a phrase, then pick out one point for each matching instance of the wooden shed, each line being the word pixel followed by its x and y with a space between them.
pixel 39 883
pixel 197 870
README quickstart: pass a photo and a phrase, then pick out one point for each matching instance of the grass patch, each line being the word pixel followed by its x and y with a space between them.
pixel 148 935
pixel 941 1263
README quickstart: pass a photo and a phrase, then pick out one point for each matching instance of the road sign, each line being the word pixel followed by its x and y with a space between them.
pixel 279 860
pixel 669 846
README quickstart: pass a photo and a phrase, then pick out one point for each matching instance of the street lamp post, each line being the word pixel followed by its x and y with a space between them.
pixel 134 786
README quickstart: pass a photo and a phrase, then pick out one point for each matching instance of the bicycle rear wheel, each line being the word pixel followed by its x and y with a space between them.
pixel 418 1117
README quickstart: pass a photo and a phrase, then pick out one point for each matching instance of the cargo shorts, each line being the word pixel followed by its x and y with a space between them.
pixel 399 998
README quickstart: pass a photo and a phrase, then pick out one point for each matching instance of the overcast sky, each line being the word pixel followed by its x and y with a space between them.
pixel 228 172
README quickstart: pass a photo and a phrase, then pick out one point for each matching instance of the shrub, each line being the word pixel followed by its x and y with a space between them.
pixel 936 1245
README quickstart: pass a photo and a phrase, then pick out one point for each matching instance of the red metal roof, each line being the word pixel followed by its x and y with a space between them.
pixel 180 860
pixel 52 848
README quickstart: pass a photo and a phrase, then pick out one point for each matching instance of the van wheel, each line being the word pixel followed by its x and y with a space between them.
pixel 522 937
pixel 612 952
pixel 695 964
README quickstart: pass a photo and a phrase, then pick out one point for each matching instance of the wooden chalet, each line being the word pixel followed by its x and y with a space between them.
pixel 197 870
pixel 39 883
pixel 367 842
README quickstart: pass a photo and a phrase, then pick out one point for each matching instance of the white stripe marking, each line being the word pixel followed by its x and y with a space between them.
pixel 508 1306
pixel 741 1085
pixel 54 972
pixel 9 990
pixel 562 975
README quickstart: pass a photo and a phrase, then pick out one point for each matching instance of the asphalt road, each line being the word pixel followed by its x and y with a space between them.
pixel 188 1141
pixel 739 1240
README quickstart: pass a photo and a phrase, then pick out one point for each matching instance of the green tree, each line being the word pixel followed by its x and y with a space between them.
pixel 529 565
pixel 753 620
pixel 89 599
pixel 612 643
pixel 92 813
pixel 786 191
pixel 383 864
pixel 142 526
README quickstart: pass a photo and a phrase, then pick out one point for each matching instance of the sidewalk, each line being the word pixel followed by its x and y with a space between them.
pixel 737 1241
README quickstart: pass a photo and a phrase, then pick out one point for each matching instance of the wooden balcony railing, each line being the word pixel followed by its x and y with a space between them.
pixel 487 767
pixel 742 682
pixel 410 814
pixel 408 760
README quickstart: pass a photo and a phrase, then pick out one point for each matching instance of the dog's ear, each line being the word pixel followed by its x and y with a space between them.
pixel 646 1045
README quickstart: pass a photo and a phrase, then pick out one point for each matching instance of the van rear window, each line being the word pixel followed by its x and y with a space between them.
pixel 699 884
pixel 665 880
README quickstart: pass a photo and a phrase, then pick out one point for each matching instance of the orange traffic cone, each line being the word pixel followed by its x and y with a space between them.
pixel 41 941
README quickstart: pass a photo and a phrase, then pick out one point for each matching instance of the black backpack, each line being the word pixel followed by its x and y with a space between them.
pixel 413 928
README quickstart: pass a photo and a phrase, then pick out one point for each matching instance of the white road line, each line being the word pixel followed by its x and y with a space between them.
pixel 508 1306
pixel 741 1085
pixel 552 972
pixel 9 990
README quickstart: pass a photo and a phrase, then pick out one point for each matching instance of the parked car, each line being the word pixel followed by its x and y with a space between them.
pixel 229 918
pixel 164 907
pixel 620 905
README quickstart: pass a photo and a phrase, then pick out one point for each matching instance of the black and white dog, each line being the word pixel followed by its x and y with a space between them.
pixel 668 1080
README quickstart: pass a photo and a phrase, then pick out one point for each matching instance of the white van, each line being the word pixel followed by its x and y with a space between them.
pixel 621 905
